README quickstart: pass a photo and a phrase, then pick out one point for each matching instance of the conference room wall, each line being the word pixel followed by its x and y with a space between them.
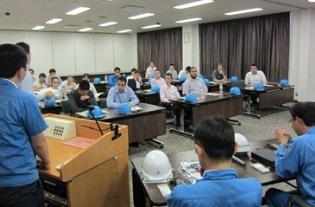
pixel 77 53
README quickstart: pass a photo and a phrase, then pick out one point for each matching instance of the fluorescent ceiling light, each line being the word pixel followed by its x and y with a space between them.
pixel 141 16
pixel 312 1
pixel 54 21
pixel 188 20
pixel 106 24
pixel 85 29
pixel 243 11
pixel 124 31
pixel 38 27
pixel 78 10
pixel 193 4
pixel 151 26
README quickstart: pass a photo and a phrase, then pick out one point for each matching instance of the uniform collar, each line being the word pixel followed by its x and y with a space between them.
pixel 8 82
pixel 311 130
pixel 225 174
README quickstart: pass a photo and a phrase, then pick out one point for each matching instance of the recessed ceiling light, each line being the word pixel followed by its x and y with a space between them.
pixel 151 26
pixel 141 16
pixel 78 10
pixel 193 4
pixel 124 31
pixel 106 24
pixel 54 21
pixel 188 20
pixel 243 11
pixel 85 29
pixel 38 27
pixel 311 1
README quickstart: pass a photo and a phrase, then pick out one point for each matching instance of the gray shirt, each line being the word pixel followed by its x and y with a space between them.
pixel 197 86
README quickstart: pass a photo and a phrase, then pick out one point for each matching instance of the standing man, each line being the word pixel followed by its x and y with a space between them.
pixel 21 135
pixel 255 76
pixel 27 83
pixel 195 84
pixel 295 156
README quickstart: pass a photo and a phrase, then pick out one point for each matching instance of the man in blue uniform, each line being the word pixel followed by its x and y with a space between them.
pixel 21 135
pixel 220 185
pixel 295 156
pixel 113 79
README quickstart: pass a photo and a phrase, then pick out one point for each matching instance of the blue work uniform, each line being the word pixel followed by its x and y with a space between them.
pixel 20 120
pixel 217 188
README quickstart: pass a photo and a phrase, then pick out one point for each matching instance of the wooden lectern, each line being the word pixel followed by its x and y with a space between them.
pixel 94 176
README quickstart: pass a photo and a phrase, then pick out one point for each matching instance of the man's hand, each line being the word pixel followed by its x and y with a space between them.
pixel 282 136
pixel 83 98
pixel 42 165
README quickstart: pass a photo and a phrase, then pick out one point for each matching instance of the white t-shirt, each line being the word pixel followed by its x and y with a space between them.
pixel 259 77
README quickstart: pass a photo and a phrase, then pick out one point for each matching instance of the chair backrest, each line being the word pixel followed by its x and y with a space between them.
pixel 65 107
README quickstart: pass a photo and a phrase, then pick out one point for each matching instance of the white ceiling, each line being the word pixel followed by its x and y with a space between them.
pixel 26 14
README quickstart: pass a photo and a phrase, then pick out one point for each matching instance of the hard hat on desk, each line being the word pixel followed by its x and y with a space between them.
pixel 234 79
pixel 155 89
pixel 284 83
pixel 97 81
pixel 191 97
pixel 49 102
pixel 156 166
pixel 124 109
pixel 96 112
pixel 235 91
pixel 259 86
pixel 243 145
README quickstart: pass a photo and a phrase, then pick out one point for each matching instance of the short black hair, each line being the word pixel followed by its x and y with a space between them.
pixel 216 136
pixel 42 75
pixel 12 59
pixel 84 85
pixel 52 70
pixel 122 79
pixel 86 75
pixel 253 65
pixel 169 74
pixel 304 111
pixel 137 71
pixel 25 46
pixel 116 68
pixel 188 68
pixel 133 70
pixel 172 64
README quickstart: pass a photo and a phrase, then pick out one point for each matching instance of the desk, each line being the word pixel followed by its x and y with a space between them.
pixel 148 123
pixel 269 97
pixel 222 104
pixel 52 109
pixel 148 193
pixel 145 96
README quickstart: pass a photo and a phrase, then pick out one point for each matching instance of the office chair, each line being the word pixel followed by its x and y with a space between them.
pixel 296 200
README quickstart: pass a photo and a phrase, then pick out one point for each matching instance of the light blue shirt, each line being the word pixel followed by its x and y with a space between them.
pixel 115 98
pixel 298 161
pixel 27 83
pixel 217 188
pixel 196 86
pixel 20 120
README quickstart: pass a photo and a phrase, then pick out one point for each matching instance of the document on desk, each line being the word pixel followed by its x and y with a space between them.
pixel 212 94
pixel 189 171
pixel 136 109
pixel 79 142
pixel 86 113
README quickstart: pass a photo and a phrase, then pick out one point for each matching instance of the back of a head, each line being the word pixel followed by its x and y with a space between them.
pixel 12 59
pixel 52 70
pixel 122 79
pixel 25 46
pixel 84 85
pixel 304 111
pixel 216 136
pixel 117 70
pixel 188 68
pixel 86 75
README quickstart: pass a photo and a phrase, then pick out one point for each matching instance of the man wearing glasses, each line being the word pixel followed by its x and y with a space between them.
pixel 295 156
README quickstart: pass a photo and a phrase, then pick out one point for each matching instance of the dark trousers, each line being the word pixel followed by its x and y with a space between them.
pixel 30 195
pixel 278 198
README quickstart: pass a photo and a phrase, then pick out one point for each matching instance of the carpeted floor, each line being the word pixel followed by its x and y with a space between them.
pixel 254 129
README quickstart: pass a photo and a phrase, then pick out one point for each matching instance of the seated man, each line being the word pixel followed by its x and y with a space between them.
pixel 255 76
pixel 172 71
pixel 132 72
pixel 218 74
pixel 168 91
pixel 295 156
pixel 68 86
pixel 220 185
pixel 81 98
pixel 87 77
pixel 195 84
pixel 121 94
pixel 53 73
pixel 135 83
pixel 149 72
pixel 52 92
pixel 157 80
pixel 113 79
pixel 40 83
pixel 184 74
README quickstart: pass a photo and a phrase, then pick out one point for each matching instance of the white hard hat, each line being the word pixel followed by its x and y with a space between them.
pixel 156 166
pixel 243 145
